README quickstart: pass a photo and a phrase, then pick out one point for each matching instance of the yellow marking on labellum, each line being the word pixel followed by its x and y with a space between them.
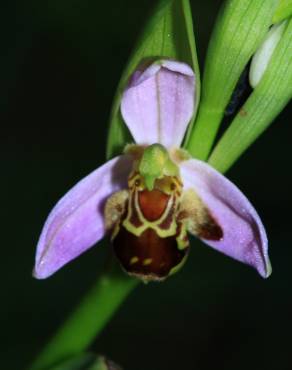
pixel 134 260
pixel 147 262
pixel 182 238
pixel 170 186
pixel 150 239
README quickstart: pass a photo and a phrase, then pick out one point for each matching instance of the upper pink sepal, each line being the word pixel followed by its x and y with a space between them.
pixel 158 103
pixel 244 237
pixel 76 223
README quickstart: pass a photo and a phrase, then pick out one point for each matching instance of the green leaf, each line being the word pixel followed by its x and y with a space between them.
pixel 267 100
pixel 283 11
pixel 240 28
pixel 169 33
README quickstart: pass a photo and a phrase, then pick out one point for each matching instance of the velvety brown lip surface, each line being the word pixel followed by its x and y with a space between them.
pixel 152 203
pixel 147 255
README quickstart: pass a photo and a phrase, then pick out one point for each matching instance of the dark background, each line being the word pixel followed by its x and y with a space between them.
pixel 60 63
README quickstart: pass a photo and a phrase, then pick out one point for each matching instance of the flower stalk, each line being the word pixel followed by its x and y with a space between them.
pixel 88 319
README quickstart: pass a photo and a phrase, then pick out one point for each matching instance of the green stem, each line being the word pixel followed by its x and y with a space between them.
pixel 88 319
pixel 204 132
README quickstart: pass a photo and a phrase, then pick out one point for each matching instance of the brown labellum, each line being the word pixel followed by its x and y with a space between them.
pixel 147 256
pixel 150 237
pixel 148 241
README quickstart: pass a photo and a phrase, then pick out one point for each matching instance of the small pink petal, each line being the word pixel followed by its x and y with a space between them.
pixel 244 236
pixel 76 223
pixel 158 103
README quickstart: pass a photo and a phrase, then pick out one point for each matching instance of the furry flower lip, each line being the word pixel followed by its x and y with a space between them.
pixel 149 198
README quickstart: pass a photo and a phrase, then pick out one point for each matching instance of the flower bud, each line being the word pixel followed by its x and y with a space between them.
pixel 264 53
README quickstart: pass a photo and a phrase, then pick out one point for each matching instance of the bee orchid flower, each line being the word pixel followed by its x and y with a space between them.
pixel 149 198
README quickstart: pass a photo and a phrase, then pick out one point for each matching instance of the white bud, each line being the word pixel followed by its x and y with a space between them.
pixel 262 57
